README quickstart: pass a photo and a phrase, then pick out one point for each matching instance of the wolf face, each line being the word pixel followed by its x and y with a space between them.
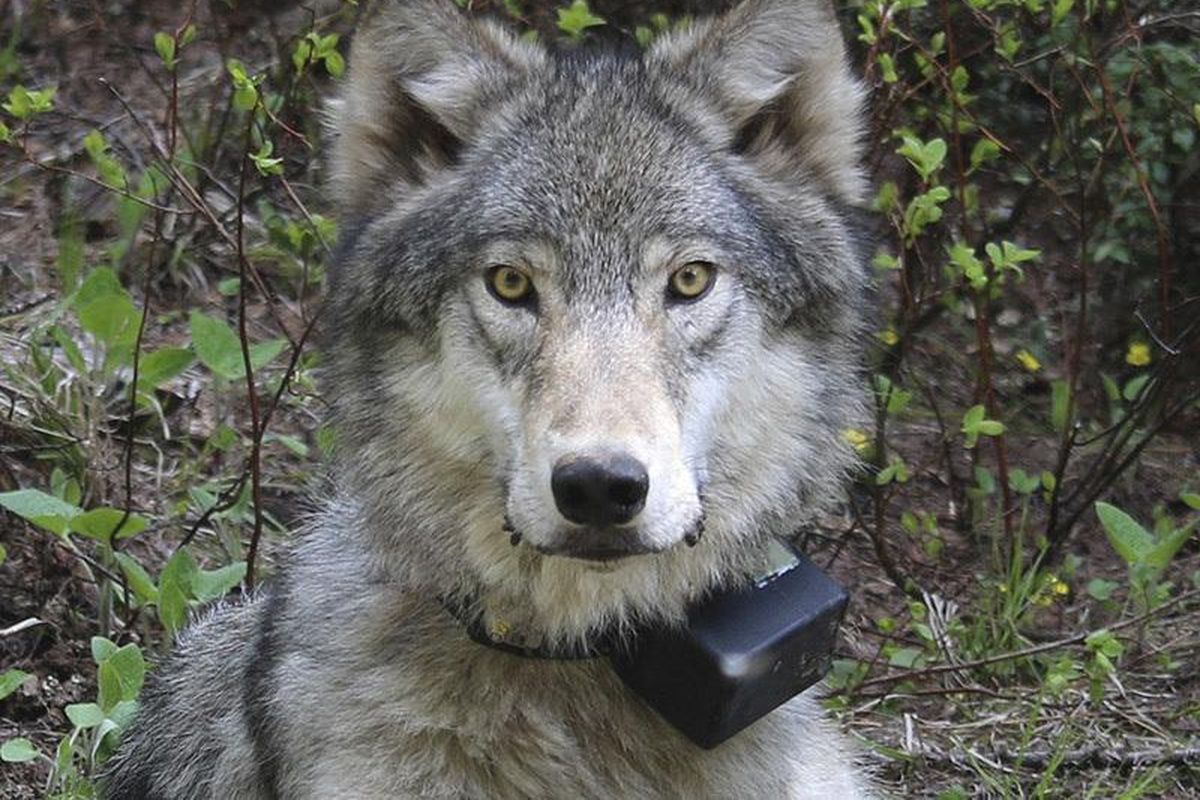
pixel 594 307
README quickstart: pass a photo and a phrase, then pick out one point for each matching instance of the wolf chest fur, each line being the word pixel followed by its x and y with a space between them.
pixel 592 338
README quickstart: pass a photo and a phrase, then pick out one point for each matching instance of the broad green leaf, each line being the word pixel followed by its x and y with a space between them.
pixel 102 649
pixel 111 318
pixel 138 579
pixel 290 442
pixel 164 45
pixel 175 589
pixel 1134 387
pixel 85 715
pixel 213 584
pixel 120 676
pixel 155 369
pixel 264 353
pixel 217 346
pixel 10 681
pixel 220 349
pixel 1131 541
pixel 16 751
pixel 1101 589
pixel 1191 500
pixel 44 510
pixel 905 657
pixel 123 713
pixel 1161 554
pixel 101 523
pixel 990 427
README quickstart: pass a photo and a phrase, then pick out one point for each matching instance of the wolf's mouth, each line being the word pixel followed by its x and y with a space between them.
pixel 600 554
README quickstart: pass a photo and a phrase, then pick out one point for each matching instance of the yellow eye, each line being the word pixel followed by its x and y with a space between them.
pixel 509 284
pixel 692 280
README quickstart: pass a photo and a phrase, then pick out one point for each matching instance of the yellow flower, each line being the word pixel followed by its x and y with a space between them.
pixel 1061 589
pixel 857 438
pixel 1028 360
pixel 889 337
pixel 1138 354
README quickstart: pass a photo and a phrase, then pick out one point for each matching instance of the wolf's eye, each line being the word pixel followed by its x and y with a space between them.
pixel 691 281
pixel 509 284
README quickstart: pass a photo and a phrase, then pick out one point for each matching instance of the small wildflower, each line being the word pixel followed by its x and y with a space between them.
pixel 857 439
pixel 1060 588
pixel 889 337
pixel 1138 354
pixel 1028 360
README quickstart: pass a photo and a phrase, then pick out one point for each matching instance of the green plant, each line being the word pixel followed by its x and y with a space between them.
pixel 1146 553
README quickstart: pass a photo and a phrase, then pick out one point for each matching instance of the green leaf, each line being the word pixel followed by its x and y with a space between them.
pixel 138 579
pixel 101 649
pixel 16 751
pixel 1161 554
pixel 84 715
pixel 263 353
pixel 1101 589
pixel 120 676
pixel 24 103
pixel 1131 541
pixel 577 18
pixel 175 589
pixel 905 657
pixel 990 427
pixel 985 150
pixel 164 45
pixel 301 54
pixel 10 681
pixel 1191 500
pixel 210 585
pixel 245 97
pixel 335 65
pixel 290 442
pixel 111 318
pixel 925 157
pixel 217 346
pixel 101 523
pixel 1134 387
pixel 155 369
pixel 44 510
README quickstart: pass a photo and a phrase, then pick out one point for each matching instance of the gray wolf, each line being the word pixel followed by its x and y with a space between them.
pixel 593 339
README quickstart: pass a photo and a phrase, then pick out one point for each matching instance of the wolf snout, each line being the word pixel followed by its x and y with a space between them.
pixel 600 490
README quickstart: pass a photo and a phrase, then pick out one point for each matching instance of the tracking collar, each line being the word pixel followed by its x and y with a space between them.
pixel 498 635
pixel 740 653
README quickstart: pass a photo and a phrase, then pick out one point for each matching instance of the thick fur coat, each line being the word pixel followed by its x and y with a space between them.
pixel 603 180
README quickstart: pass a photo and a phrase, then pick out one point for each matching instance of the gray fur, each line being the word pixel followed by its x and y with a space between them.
pixel 598 173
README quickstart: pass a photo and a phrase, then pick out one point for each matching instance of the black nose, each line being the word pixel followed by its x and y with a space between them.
pixel 601 490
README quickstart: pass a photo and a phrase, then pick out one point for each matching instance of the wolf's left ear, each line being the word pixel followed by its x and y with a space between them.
pixel 423 77
pixel 778 75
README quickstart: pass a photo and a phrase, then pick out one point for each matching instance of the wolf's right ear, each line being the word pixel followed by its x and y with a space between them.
pixel 422 77
pixel 776 73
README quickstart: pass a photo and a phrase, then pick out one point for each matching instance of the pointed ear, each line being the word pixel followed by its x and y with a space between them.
pixel 777 73
pixel 422 77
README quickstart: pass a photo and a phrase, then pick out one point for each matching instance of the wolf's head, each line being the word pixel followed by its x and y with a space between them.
pixel 600 304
